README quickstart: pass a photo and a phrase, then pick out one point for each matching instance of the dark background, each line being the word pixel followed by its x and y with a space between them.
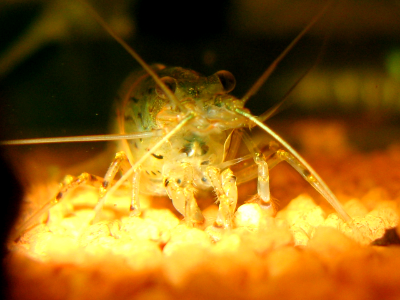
pixel 66 86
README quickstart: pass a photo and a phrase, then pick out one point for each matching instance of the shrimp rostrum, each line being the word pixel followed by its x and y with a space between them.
pixel 179 133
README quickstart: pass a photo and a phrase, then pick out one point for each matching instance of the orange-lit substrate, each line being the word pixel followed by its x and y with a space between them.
pixel 305 252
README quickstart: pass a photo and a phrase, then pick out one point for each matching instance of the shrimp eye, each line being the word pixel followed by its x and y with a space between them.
pixel 171 85
pixel 227 80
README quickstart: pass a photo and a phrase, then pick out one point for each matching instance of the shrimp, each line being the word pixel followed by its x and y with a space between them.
pixel 179 132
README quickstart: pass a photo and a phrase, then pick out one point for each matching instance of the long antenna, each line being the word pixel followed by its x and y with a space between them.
pixel 277 107
pixel 125 177
pixel 255 88
pixel 313 178
pixel 84 138
pixel 136 56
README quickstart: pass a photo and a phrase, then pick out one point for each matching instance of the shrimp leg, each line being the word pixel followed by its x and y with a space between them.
pixel 119 163
pixel 263 192
pixel 68 184
pixel 224 185
pixel 181 192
